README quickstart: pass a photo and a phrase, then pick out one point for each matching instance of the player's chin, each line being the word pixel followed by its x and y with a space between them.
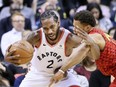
pixel 53 37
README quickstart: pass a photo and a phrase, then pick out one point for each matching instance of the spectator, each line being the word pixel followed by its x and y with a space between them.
pixel 113 11
pixel 86 68
pixel 6 24
pixel 18 22
pixel 26 11
pixel 105 9
pixel 32 4
pixel 104 23
pixel 17 33
pixel 4 3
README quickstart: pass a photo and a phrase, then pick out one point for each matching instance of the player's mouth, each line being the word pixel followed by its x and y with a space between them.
pixel 51 36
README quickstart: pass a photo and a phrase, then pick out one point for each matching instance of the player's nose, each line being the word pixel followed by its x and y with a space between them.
pixel 50 31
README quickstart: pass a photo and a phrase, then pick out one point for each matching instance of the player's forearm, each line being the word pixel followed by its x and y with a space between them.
pixel 76 57
pixel 95 51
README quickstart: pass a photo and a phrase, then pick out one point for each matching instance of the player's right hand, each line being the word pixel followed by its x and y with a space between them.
pixel 9 57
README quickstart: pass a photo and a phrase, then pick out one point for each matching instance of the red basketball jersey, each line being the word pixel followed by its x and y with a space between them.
pixel 107 61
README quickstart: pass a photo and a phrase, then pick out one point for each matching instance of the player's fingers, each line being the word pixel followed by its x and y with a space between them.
pixel 15 57
pixel 8 48
pixel 12 58
pixel 51 83
pixel 77 28
pixel 11 52
pixel 81 33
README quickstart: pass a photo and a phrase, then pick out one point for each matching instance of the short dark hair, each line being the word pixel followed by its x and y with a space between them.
pixel 90 6
pixel 85 17
pixel 49 14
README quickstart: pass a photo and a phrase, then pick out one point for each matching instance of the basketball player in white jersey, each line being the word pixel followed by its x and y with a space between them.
pixel 53 47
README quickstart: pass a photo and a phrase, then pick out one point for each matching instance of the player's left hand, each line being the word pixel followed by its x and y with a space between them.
pixel 84 35
pixel 57 77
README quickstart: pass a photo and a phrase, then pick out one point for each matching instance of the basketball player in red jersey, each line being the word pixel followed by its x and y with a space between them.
pixel 84 23
pixel 53 47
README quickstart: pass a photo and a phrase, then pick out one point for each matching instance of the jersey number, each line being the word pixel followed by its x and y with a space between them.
pixel 50 64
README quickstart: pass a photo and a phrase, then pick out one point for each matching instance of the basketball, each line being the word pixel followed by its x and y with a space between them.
pixel 24 49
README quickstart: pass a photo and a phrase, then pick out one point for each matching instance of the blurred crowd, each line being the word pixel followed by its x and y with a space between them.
pixel 19 17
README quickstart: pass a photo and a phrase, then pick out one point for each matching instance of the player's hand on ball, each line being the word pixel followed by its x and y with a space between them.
pixel 20 52
pixel 9 57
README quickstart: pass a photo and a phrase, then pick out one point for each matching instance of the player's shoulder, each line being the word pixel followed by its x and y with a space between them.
pixel 65 30
pixel 96 36
pixel 34 36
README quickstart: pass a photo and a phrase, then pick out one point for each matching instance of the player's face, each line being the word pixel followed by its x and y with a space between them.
pixel 79 26
pixel 50 28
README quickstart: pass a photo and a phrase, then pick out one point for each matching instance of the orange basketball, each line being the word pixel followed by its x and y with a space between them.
pixel 24 49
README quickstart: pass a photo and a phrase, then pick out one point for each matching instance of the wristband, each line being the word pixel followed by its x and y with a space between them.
pixel 61 71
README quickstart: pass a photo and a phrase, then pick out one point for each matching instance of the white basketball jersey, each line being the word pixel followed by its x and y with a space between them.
pixel 49 57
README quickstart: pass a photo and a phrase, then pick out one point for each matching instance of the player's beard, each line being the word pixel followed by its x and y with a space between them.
pixel 56 35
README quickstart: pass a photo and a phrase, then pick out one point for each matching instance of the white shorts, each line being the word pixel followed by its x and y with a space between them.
pixel 34 79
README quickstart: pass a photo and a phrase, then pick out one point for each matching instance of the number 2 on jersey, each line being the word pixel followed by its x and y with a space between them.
pixel 50 64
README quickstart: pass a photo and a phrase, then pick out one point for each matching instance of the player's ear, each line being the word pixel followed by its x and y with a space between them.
pixel 58 23
pixel 88 27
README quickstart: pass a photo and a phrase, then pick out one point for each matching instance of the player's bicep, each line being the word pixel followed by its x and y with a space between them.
pixel 99 40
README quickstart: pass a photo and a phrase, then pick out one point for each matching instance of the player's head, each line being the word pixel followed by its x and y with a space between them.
pixel 84 20
pixel 50 21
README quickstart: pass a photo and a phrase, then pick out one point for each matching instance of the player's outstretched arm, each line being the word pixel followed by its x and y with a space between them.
pixel 89 39
pixel 76 57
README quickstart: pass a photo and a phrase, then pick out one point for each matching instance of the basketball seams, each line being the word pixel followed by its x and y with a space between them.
pixel 19 45
pixel 24 49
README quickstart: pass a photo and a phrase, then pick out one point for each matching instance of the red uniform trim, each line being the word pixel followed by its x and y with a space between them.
pixel 74 86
